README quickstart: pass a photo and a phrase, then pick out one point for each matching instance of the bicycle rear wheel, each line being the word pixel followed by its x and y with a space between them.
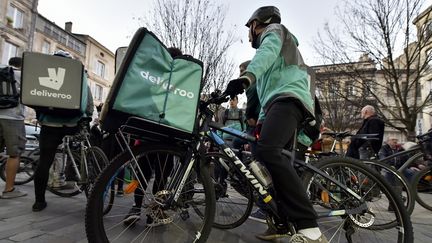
pixel 423 185
pixel 25 173
pixel 234 197
pixel 397 181
pixel 361 219
pixel 163 220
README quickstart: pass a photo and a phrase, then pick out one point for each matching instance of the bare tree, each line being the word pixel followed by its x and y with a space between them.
pixel 382 32
pixel 339 114
pixel 197 28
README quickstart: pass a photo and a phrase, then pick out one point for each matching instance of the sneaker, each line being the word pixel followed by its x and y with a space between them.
pixel 14 193
pixel 132 217
pixel 259 215
pixel 271 234
pixel 120 193
pixel 68 185
pixel 300 238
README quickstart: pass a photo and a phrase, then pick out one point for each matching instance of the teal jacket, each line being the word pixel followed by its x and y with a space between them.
pixel 280 72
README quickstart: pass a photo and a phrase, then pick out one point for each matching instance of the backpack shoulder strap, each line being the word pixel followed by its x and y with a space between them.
pixel 241 118
pixel 225 116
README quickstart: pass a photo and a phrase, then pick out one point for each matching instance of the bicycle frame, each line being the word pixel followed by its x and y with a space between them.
pixel 257 186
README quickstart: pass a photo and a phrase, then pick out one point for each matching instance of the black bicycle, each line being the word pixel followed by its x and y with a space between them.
pixel 183 210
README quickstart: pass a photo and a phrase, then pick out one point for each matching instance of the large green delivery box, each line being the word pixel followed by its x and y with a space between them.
pixel 163 91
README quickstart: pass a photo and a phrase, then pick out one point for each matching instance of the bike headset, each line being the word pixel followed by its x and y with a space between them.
pixel 264 16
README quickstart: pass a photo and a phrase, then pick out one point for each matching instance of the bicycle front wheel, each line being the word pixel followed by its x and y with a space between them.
pixel 423 186
pixel 96 162
pixel 158 169
pixel 234 197
pixel 359 217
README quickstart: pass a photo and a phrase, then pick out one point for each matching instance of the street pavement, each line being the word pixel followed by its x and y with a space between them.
pixel 63 221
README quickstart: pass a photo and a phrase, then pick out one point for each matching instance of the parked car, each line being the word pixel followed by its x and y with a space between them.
pixel 32 135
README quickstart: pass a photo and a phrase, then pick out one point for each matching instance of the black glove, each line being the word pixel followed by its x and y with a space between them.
pixel 237 86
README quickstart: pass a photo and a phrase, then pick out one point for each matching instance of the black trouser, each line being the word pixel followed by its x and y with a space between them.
pixel 50 139
pixel 277 131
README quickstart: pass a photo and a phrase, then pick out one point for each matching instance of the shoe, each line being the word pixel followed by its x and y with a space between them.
pixel 132 217
pixel 14 193
pixel 271 234
pixel 120 193
pixel 68 185
pixel 259 215
pixel 39 206
pixel 300 238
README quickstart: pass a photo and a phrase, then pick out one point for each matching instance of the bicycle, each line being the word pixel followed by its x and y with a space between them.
pixel 422 181
pixel 350 202
pixel 27 165
pixel 76 164
pixel 408 189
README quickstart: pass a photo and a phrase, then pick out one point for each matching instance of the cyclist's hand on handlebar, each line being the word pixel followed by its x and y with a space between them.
pixel 237 86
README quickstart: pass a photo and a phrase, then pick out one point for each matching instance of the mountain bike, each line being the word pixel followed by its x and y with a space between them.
pixel 76 164
pixel 183 211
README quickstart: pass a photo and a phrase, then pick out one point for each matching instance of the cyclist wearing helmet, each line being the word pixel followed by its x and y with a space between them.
pixel 283 87
pixel 53 129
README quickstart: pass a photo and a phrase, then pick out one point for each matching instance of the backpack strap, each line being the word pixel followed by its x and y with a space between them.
pixel 240 117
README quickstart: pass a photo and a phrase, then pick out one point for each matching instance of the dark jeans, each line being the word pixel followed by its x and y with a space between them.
pixel 277 131
pixel 50 139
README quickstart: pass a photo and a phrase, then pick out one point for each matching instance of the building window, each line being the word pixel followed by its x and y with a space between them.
pixel 98 92
pixel 349 88
pixel 17 17
pixel 46 47
pixel 100 69
pixel 10 50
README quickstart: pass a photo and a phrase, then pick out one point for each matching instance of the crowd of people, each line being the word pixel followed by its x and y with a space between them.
pixel 280 105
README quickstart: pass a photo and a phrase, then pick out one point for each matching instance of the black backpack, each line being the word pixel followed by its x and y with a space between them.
pixel 240 117
pixel 9 96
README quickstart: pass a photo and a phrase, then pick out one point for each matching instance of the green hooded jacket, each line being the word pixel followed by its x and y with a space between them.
pixel 280 72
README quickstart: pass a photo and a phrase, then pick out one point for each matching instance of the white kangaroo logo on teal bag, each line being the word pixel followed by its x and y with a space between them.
pixel 54 80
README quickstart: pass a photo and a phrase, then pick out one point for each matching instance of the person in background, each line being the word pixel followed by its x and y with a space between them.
pixel 12 135
pixel 232 117
pixel 372 124
pixel 53 129
pixel 251 113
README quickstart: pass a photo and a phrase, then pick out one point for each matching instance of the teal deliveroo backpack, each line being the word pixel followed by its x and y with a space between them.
pixel 163 92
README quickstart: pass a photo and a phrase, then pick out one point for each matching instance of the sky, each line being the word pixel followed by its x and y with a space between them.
pixel 113 22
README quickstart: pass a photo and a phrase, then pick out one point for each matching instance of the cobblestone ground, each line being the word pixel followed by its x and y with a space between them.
pixel 63 221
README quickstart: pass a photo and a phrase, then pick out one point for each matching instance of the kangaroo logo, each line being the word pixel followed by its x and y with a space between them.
pixel 54 79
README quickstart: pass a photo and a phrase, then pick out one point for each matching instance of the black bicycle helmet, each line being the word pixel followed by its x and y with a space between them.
pixel 265 15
